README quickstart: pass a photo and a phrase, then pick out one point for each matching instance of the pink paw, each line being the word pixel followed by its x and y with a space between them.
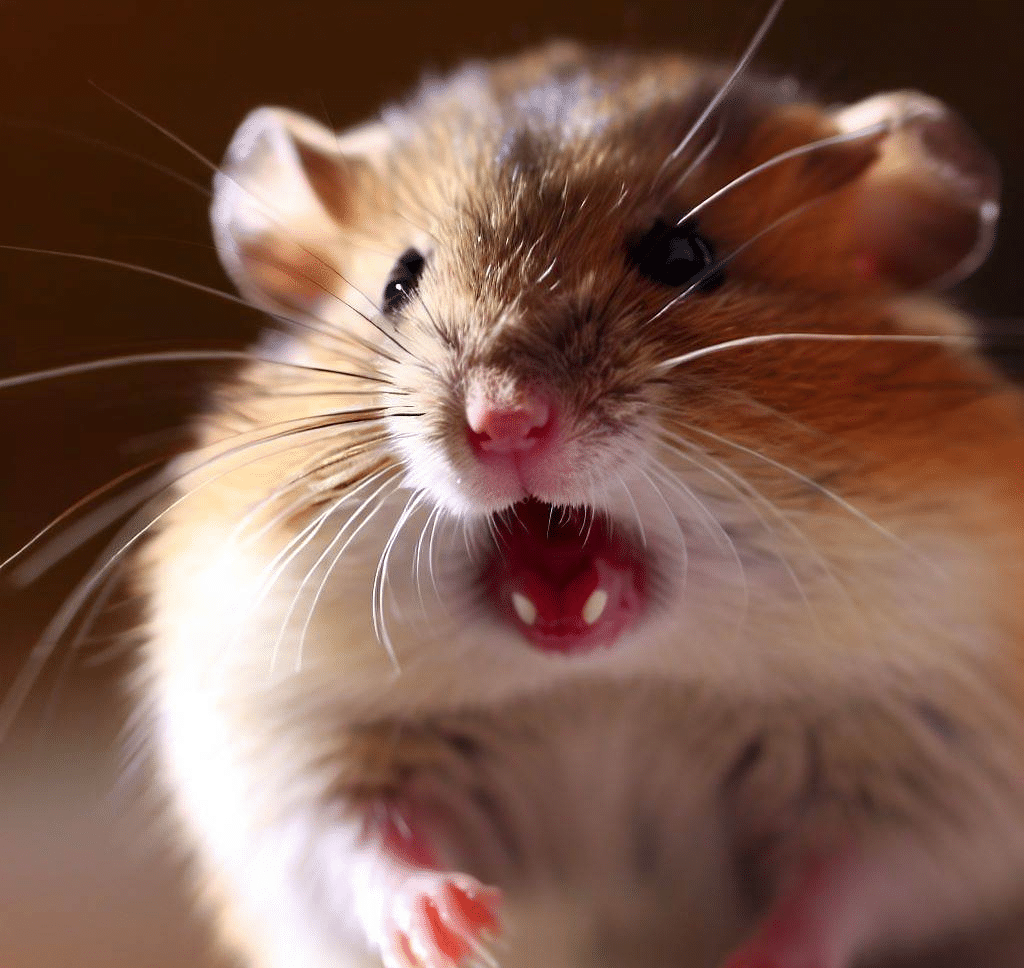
pixel 437 920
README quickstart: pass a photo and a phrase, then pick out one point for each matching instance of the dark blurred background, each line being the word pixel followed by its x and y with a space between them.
pixel 83 881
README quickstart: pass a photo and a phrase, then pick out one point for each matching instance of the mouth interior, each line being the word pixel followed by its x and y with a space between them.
pixel 565 577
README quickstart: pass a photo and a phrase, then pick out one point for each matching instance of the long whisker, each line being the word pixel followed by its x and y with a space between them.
pixel 745 399
pixel 745 491
pixel 268 209
pixel 365 445
pixel 430 552
pixel 380 578
pixel 700 157
pixel 31 668
pixel 712 525
pixel 814 485
pixel 826 566
pixel 99 604
pixel 392 482
pixel 715 529
pixel 154 486
pixel 868 131
pixel 87 527
pixel 304 502
pixel 725 260
pixel 762 338
pixel 78 136
pixel 277 566
pixel 636 510
pixel 336 335
pixel 277 394
pixel 171 356
pixel 210 165
pixel 391 473
pixel 70 135
pixel 741 65
pixel 418 553
pixel 672 516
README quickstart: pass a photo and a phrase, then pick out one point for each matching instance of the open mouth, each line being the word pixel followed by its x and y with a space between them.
pixel 565 577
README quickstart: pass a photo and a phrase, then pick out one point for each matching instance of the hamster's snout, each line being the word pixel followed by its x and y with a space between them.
pixel 560 573
pixel 498 429
pixel 512 435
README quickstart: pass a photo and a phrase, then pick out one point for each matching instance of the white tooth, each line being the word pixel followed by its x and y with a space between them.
pixel 525 609
pixel 595 606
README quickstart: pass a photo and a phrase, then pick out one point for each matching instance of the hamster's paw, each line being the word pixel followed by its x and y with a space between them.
pixel 440 920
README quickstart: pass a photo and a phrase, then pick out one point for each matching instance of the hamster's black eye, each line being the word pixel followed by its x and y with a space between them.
pixel 403 280
pixel 675 255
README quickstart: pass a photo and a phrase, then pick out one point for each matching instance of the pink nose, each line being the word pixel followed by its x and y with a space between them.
pixel 507 429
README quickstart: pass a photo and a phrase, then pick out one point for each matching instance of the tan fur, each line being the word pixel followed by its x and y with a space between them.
pixel 915 600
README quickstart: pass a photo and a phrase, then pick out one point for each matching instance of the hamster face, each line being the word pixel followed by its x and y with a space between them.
pixel 596 294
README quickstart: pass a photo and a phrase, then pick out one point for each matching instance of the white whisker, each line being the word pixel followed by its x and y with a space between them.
pixel 169 356
pixel 217 170
pixel 868 131
pixel 715 530
pixel 84 529
pixel 265 584
pixel 763 338
pixel 719 264
pixel 108 512
pixel 380 578
pixel 335 335
pixel 71 135
pixel 741 487
pixel 741 65
pixel 328 486
pixel 277 565
pixel 418 554
pixel 700 157
pixel 394 483
pixel 636 511
pixel 674 519
pixel 40 654
pixel 814 485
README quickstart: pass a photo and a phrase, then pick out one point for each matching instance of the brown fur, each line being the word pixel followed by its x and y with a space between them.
pixel 925 440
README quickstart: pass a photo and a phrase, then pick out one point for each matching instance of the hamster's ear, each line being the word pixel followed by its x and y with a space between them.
pixel 283 193
pixel 927 209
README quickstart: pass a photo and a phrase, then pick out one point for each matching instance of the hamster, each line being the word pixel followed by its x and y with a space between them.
pixel 618 562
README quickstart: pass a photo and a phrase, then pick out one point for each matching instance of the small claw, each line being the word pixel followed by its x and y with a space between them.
pixel 398 953
pixel 448 941
pixel 441 921
pixel 482 957
pixel 405 946
pixel 475 908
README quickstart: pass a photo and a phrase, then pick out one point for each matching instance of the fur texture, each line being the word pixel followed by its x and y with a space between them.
pixel 829 664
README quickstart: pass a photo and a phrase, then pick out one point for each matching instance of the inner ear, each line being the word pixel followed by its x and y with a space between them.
pixel 281 198
pixel 926 209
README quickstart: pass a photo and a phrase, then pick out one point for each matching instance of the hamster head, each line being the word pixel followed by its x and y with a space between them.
pixel 568 276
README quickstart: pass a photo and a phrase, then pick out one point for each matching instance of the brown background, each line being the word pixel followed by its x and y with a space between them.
pixel 81 883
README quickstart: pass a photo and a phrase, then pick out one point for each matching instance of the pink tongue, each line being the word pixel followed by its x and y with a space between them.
pixel 564 580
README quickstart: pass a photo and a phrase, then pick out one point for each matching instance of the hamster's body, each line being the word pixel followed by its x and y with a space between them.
pixel 773 664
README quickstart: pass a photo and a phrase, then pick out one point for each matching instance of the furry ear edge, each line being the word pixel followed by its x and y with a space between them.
pixel 927 208
pixel 281 195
